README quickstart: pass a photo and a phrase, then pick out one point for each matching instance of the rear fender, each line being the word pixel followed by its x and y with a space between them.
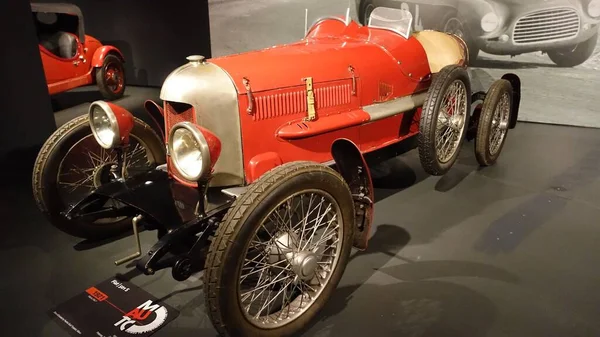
pixel 353 168
pixel 515 81
pixel 100 54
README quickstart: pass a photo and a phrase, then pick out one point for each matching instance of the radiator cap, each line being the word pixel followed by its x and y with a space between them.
pixel 196 59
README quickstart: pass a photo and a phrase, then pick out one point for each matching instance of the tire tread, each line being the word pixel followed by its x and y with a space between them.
pixel 222 237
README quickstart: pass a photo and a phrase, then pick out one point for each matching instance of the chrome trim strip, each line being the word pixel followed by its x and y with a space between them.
pixel 396 106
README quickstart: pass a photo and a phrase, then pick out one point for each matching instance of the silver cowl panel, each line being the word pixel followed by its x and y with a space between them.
pixel 212 93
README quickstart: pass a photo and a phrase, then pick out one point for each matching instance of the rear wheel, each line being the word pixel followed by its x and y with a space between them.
pixel 444 120
pixel 71 164
pixel 493 123
pixel 110 78
pixel 280 252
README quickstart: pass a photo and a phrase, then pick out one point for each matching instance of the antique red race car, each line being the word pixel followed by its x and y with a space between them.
pixel 262 170
pixel 71 58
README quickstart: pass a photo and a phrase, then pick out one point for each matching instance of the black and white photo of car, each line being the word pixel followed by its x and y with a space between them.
pixel 567 30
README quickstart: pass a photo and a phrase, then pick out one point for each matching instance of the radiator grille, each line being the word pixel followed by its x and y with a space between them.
pixel 176 113
pixel 547 26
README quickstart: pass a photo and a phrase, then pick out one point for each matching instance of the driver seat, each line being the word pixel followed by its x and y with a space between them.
pixel 442 49
pixel 61 44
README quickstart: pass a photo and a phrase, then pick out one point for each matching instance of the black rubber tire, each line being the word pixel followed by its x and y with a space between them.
pixel 484 128
pixel 106 92
pixel 231 239
pixel 365 11
pixel 44 180
pixel 429 116
pixel 574 55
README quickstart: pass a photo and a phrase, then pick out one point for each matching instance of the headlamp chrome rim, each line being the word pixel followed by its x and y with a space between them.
pixel 114 125
pixel 485 24
pixel 593 8
pixel 203 148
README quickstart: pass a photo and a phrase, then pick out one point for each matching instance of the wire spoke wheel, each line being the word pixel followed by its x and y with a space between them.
pixel 494 122
pixel 444 119
pixel 290 258
pixel 451 121
pixel 71 165
pixel 87 166
pixel 499 124
pixel 280 252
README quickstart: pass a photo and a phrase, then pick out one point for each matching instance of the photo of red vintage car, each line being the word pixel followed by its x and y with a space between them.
pixel 72 59
pixel 260 178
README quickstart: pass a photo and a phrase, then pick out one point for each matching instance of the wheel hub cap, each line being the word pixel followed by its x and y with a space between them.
pixel 102 174
pixel 304 265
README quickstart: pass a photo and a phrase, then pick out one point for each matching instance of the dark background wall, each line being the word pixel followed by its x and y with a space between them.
pixel 154 35
pixel 26 115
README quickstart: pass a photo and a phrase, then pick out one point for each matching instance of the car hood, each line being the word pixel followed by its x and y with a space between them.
pixel 287 65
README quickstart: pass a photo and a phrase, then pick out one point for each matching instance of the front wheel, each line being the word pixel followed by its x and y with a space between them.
pixel 110 78
pixel 574 55
pixel 280 252
pixel 71 164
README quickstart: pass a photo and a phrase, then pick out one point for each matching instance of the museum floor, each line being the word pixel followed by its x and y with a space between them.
pixel 510 250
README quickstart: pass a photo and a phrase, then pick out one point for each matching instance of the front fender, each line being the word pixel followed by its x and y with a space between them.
pixel 515 82
pixel 354 169
pixel 100 54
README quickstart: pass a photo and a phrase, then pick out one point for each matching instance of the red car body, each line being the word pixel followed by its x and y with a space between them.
pixel 378 66
pixel 64 72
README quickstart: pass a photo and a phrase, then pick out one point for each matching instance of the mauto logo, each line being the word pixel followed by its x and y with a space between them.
pixel 131 321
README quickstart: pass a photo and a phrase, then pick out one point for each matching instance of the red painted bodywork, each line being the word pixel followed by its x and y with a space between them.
pixel 214 145
pixel 385 66
pixel 124 120
pixel 65 74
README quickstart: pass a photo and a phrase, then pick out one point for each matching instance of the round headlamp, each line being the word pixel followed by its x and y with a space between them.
pixel 189 151
pixel 104 125
pixel 490 22
pixel 593 8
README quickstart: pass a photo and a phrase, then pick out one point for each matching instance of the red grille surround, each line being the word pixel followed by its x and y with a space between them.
pixel 177 113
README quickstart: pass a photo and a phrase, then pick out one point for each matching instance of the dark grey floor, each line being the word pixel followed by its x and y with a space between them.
pixel 510 250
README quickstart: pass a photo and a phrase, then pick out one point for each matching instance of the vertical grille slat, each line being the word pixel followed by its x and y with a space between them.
pixel 293 101
pixel 172 117
pixel 547 25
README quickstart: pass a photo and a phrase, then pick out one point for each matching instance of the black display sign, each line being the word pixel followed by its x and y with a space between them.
pixel 113 308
